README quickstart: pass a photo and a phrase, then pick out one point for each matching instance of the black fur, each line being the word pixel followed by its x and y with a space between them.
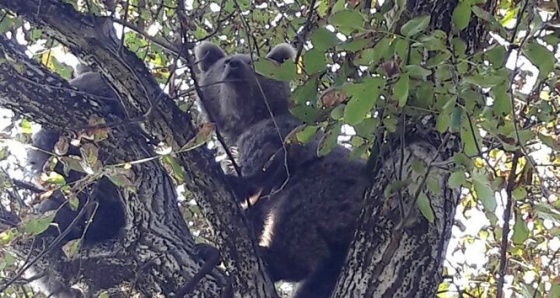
pixel 108 219
pixel 306 214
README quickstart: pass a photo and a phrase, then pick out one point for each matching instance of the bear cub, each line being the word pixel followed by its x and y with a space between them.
pixel 109 218
pixel 305 214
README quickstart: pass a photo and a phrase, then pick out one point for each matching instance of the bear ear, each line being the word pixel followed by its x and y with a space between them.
pixel 207 54
pixel 281 53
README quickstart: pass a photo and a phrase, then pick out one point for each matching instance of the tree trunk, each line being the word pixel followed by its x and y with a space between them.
pixel 396 251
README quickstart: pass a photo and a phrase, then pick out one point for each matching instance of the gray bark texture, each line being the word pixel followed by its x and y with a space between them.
pixel 396 251
pixel 164 249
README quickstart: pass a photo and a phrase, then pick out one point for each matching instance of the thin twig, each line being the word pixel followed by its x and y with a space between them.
pixel 507 215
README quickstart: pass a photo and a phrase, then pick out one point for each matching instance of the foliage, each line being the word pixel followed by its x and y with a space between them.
pixel 361 80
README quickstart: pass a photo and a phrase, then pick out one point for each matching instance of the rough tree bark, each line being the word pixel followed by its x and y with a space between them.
pixel 164 252
pixel 392 255
pixel 396 252
pixel 156 251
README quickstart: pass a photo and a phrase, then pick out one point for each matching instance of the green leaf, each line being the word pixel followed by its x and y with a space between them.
pixel 364 96
pixel 176 169
pixel 244 5
pixel 496 55
pixel 323 39
pixel 401 48
pixel 471 138
pixel 554 290
pixel 462 159
pixel 390 124
pixel 25 126
pixel 547 212
pixel 520 230
pixel 305 113
pixel 338 112
pixel 541 57
pixel 393 187
pixel 461 15
pixel 484 191
pixel 417 71
pixel 367 128
pixel 121 180
pixel 519 193
pixel 347 20
pixel 73 202
pixel 418 167
pixel 314 61
pixel 483 14
pixel 433 185
pixel 71 163
pixel 8 235
pixel 285 72
pixel 7 260
pixel 354 45
pixel 71 247
pixel 329 140
pixel 549 141
pixel 459 47
pixel 6 24
pixel 415 26
pixel 56 179
pixel 457 179
pixel 485 80
pixel 456 117
pixel 436 41
pixel 37 225
pixel 306 134
pixel 306 92
pixel 550 39
pixel 425 208
pixel 438 59
pixel 400 89
pixel 373 56
pixel 442 122
pixel 502 101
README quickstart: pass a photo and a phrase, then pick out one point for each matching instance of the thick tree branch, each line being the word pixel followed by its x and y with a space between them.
pixel 144 100
pixel 156 233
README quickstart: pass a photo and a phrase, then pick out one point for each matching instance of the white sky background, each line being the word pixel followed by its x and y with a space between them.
pixel 475 253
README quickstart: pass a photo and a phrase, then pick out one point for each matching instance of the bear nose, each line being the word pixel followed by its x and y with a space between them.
pixel 235 63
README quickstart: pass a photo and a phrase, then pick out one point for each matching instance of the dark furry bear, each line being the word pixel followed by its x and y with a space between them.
pixel 306 214
pixel 108 219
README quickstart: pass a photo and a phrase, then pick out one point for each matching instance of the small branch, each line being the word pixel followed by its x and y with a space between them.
pixel 306 29
pixel 507 215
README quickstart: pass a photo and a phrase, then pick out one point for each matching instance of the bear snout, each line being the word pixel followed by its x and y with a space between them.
pixel 237 69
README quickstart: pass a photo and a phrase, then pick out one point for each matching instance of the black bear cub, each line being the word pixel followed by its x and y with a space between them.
pixel 306 213
pixel 109 218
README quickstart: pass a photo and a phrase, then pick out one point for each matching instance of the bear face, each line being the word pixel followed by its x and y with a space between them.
pixel 235 97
